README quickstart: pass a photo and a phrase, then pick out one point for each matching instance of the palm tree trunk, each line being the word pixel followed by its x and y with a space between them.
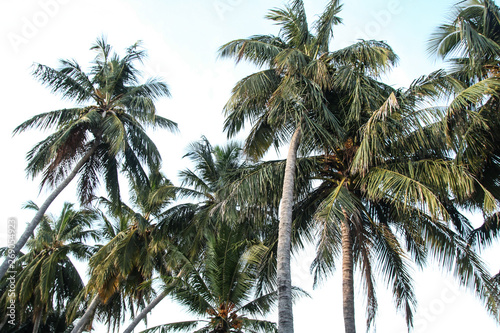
pixel 87 315
pixel 36 324
pixel 144 312
pixel 285 311
pixel 41 211
pixel 347 277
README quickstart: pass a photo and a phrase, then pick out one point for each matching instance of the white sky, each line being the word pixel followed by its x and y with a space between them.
pixel 182 38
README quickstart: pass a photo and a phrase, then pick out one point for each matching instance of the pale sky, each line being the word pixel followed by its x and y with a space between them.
pixel 182 38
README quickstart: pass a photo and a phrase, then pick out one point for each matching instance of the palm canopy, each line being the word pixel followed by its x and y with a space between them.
pixel 221 288
pixel 216 168
pixel 299 68
pixel 105 133
pixel 395 180
pixel 47 281
pixel 286 102
pixel 121 271
pixel 113 110
pixel 470 43
pixel 392 178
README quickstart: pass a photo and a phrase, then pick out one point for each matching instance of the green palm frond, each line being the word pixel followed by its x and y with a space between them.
pixel 259 49
pixel 324 25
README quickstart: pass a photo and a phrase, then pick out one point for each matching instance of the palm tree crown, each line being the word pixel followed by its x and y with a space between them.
pixel 114 114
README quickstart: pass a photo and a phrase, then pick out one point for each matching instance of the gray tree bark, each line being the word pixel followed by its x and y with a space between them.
pixel 87 315
pixel 347 278
pixel 43 208
pixel 144 312
pixel 285 310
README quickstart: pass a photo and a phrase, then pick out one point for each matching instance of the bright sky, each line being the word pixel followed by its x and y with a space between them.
pixel 182 38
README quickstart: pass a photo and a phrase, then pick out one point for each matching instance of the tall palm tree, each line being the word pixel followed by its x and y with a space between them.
pixel 220 288
pixel 375 198
pixel 286 102
pixel 122 269
pixel 102 133
pixel 378 201
pixel 48 281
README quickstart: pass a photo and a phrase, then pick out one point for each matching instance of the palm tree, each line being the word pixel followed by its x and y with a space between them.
pixel 48 280
pixel 104 132
pixel 220 287
pixel 215 169
pixel 122 270
pixel 287 102
pixel 375 198
pixel 470 43
pixel 377 202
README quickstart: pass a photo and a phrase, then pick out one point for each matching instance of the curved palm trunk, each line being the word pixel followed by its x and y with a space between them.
pixel 87 316
pixel 41 211
pixel 144 312
pixel 347 277
pixel 285 312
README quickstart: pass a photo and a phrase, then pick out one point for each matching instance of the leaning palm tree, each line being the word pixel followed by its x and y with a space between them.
pixel 122 269
pixel 286 102
pixel 103 133
pixel 220 287
pixel 48 280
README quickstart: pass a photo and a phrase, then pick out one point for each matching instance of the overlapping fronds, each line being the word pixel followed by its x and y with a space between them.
pixel 118 108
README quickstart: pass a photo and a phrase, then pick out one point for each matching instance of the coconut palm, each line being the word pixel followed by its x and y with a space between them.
pixel 214 169
pixel 47 279
pixel 286 102
pixel 469 42
pixel 102 134
pixel 375 198
pixel 122 270
pixel 219 289
pixel 217 170
pixel 378 202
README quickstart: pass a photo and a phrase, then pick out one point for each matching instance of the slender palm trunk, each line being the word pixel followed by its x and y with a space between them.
pixel 87 316
pixel 144 312
pixel 347 277
pixel 41 211
pixel 285 312
pixel 36 324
